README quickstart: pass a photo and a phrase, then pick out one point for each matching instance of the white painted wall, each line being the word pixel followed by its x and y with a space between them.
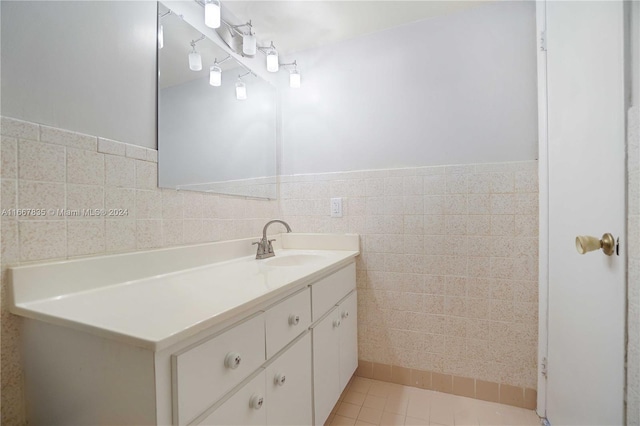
pixel 85 66
pixel 458 88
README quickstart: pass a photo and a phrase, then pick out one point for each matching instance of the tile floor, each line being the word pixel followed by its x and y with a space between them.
pixel 372 402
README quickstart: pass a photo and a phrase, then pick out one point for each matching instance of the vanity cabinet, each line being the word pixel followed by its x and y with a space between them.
pixel 335 355
pixel 282 360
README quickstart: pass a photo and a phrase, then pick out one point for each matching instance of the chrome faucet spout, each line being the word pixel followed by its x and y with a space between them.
pixel 265 249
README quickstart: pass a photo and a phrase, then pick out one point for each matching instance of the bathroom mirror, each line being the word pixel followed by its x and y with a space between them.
pixel 208 139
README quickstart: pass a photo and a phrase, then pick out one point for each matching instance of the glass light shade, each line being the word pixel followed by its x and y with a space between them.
pixel 160 36
pixel 294 79
pixel 272 61
pixel 215 76
pixel 249 44
pixel 241 91
pixel 195 61
pixel 212 14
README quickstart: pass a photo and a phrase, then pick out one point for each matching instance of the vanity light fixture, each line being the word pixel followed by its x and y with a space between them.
pixel 272 57
pixel 212 13
pixel 241 90
pixel 195 60
pixel 294 74
pixel 161 29
pixel 215 72
pixel 249 43
pixel 294 79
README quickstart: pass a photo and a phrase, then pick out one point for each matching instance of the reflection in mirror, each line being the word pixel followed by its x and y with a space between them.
pixel 208 139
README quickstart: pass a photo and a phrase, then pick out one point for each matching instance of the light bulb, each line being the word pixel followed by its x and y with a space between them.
pixel 160 36
pixel 212 14
pixel 294 79
pixel 241 91
pixel 215 76
pixel 272 61
pixel 249 44
pixel 195 61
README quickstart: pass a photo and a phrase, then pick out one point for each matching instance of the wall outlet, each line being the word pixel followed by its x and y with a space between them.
pixel 336 207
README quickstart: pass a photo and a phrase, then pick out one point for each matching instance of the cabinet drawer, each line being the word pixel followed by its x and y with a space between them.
pixel 286 320
pixel 246 407
pixel 328 291
pixel 289 386
pixel 203 374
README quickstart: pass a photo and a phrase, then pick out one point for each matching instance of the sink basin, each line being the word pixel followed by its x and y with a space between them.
pixel 294 260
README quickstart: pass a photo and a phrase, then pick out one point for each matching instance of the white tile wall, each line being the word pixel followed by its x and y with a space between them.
pixel 448 272
pixel 633 246
pixel 447 276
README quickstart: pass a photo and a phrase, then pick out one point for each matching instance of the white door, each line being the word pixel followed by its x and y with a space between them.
pixel 586 132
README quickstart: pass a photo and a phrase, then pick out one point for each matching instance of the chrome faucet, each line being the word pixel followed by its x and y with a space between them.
pixel 265 249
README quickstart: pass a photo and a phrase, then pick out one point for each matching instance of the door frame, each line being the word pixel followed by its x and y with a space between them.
pixel 543 207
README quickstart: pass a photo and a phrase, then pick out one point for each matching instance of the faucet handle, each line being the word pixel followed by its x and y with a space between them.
pixel 271 240
pixel 256 242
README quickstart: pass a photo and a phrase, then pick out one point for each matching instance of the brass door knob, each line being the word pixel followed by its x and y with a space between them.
pixel 585 244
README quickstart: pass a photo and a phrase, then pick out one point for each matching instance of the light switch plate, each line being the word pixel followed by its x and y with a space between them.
pixel 336 207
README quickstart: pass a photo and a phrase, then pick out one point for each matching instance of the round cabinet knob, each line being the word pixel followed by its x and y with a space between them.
pixel 336 323
pixel 345 314
pixel 294 319
pixel 232 360
pixel 280 379
pixel 256 402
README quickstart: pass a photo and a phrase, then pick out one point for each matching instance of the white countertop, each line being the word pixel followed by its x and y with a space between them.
pixel 159 310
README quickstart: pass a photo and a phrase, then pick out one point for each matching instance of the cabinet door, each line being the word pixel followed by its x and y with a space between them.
pixel 289 386
pixel 326 366
pixel 244 407
pixel 348 313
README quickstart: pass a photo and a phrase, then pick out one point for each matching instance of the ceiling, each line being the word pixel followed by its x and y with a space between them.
pixel 303 24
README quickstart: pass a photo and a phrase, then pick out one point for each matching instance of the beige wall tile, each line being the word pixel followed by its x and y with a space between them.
pixel 85 197
pixel 9 242
pixel 120 199
pixel 382 372
pixel 441 382
pixel 19 129
pixel 148 204
pixel 120 234
pixel 85 167
pixel 120 171
pixel 464 386
pixel 146 175
pixel 137 152
pixel 148 234
pixel 42 240
pixel 41 195
pixel 108 146
pixel 85 237
pixel 365 369
pixel 487 391
pixel 9 197
pixel 9 157
pixel 41 161
pixel 512 395
pixel 68 138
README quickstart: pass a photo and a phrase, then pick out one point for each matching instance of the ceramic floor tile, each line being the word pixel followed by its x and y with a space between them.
pixel 397 404
pixel 418 408
pixel 370 415
pixel 380 389
pixel 361 423
pixel 348 410
pixel 391 419
pixel 342 421
pixel 374 401
pixel 412 421
pixel 356 398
